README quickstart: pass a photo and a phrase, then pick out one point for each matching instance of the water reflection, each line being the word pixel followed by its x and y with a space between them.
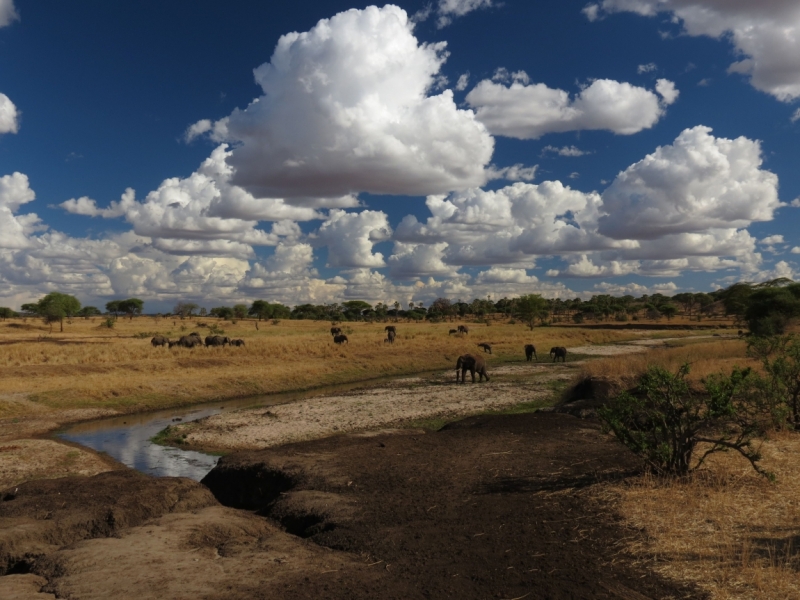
pixel 127 439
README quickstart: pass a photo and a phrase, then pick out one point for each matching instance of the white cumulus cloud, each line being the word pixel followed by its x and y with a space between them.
pixel 449 9
pixel 697 183
pixel 766 34
pixel 9 116
pixel 529 111
pixel 347 108
pixel 350 237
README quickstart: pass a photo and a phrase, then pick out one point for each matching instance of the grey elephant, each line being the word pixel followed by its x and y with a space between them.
pixel 159 340
pixel 452 331
pixel 558 352
pixel 390 328
pixel 237 342
pixel 463 329
pixel 217 340
pixel 336 330
pixel 340 339
pixel 487 347
pixel 530 352
pixel 187 341
pixel 390 337
pixel 473 364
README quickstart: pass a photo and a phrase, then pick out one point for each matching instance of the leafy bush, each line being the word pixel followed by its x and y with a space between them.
pixel 215 329
pixel 779 387
pixel 578 318
pixel 664 420
pixel 108 323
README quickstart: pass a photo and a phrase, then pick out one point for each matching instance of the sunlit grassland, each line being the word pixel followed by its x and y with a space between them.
pixel 704 356
pixel 725 528
pixel 92 366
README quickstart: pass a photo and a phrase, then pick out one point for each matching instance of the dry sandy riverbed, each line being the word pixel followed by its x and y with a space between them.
pixel 397 403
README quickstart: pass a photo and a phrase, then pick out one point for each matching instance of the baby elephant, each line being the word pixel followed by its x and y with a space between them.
pixel 530 352
pixel 237 342
pixel 452 331
pixel 159 340
pixel 487 347
pixel 340 339
pixel 558 352
pixel 473 364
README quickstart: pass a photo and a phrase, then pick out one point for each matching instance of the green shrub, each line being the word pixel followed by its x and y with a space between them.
pixel 664 420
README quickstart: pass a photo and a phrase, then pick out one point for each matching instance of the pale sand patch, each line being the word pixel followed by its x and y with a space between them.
pixel 24 460
pixel 403 400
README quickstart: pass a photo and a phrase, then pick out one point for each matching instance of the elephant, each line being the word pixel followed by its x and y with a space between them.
pixel 391 328
pixel 336 331
pixel 390 337
pixel 159 340
pixel 487 347
pixel 187 341
pixel 237 342
pixel 452 331
pixel 473 364
pixel 463 329
pixel 530 352
pixel 558 352
pixel 340 339
pixel 217 340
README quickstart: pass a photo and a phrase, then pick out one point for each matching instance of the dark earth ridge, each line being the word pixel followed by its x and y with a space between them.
pixel 488 507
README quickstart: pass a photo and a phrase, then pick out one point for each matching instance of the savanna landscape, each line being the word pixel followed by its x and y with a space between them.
pixel 524 450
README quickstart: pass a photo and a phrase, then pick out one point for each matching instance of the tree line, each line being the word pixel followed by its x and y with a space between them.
pixel 765 308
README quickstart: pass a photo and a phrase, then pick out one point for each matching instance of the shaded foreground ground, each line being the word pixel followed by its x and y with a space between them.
pixel 489 507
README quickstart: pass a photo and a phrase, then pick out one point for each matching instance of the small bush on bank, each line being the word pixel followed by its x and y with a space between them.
pixel 664 420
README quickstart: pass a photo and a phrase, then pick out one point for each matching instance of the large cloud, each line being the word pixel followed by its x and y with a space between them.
pixel 8 13
pixel 14 229
pixel 346 109
pixel 697 183
pixel 766 34
pixel 9 117
pixel 529 111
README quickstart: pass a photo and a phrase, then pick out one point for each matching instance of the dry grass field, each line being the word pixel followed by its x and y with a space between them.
pixel 705 356
pixel 90 370
pixel 726 529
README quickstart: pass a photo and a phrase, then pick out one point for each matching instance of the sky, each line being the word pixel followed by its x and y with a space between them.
pixel 323 151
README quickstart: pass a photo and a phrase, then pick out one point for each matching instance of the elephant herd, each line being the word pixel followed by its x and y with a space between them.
pixel 193 339
pixel 476 363
pixel 340 338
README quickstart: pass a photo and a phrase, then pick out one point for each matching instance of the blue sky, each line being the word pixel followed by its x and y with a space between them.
pixel 457 148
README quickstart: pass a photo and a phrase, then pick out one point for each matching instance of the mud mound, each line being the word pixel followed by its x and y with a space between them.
pixel 488 507
pixel 40 516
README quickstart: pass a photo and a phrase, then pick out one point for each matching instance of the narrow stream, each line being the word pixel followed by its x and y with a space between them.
pixel 127 438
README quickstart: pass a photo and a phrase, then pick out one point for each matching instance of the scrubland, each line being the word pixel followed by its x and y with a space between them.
pixel 90 367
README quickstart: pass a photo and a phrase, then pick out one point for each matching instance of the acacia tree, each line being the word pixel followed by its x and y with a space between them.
pixel 55 306
pixel 113 307
pixel 531 307
pixel 131 306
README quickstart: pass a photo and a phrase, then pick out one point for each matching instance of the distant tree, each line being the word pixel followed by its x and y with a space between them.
pixel 185 309
pixel 531 307
pixel 240 311
pixel 222 312
pixel 113 307
pixel 260 309
pixel 669 311
pixel 355 309
pixel 203 311
pixel 131 306
pixel 55 306
pixel 6 313
pixel 30 308
pixel 88 311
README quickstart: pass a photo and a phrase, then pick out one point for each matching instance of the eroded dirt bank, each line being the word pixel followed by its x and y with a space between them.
pixel 489 507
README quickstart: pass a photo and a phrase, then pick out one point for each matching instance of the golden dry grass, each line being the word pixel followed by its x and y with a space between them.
pixel 92 367
pixel 705 357
pixel 726 529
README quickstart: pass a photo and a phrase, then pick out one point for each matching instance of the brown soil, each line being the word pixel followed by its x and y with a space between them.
pixel 488 507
